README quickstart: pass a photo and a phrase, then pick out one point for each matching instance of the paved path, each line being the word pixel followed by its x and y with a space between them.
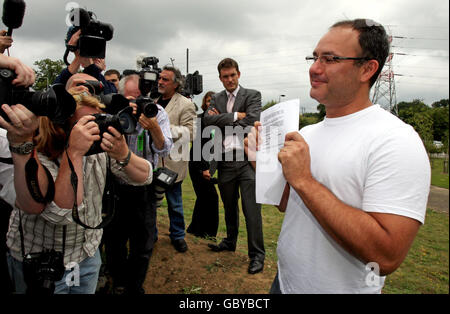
pixel 438 199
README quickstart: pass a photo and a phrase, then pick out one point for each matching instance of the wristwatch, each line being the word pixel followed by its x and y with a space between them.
pixel 22 149
pixel 124 162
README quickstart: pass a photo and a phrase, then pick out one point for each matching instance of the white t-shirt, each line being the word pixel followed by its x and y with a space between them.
pixel 370 160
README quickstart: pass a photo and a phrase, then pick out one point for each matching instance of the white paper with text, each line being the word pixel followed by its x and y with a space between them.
pixel 276 122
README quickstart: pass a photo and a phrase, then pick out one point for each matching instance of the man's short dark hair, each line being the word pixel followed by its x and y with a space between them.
pixel 113 71
pixel 178 77
pixel 227 63
pixel 373 40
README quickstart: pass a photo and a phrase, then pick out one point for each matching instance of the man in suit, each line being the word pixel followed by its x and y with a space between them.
pixel 234 111
pixel 181 114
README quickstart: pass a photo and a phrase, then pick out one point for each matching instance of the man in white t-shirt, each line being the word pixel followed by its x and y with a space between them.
pixel 358 181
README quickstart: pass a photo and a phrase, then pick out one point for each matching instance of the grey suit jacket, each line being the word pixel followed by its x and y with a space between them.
pixel 247 100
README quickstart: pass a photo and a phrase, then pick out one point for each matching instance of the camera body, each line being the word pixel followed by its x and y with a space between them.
pixel 55 103
pixel 147 106
pixel 94 87
pixel 41 271
pixel 193 84
pixel 123 121
pixel 149 76
pixel 94 34
pixel 164 178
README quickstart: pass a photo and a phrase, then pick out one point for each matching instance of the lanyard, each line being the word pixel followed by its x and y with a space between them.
pixel 109 189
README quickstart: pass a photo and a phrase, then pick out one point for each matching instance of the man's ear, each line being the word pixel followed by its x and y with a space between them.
pixel 368 70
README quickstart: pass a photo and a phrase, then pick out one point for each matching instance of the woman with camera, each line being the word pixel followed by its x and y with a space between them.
pixel 42 226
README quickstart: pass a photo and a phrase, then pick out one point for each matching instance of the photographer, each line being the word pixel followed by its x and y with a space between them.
pixel 135 218
pixel 25 76
pixel 92 66
pixel 35 226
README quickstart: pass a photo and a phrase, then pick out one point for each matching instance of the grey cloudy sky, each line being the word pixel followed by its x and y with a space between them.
pixel 269 39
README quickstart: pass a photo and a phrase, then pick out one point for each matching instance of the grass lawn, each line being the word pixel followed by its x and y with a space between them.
pixel 425 269
pixel 438 177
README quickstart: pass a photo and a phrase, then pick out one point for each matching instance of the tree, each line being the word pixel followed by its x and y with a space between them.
pixel 46 72
pixel 440 122
pixel 269 104
pixel 322 112
pixel 441 103
pixel 418 115
pixel 406 110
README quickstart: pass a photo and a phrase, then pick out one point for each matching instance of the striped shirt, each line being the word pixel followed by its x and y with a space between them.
pixel 164 124
pixel 46 229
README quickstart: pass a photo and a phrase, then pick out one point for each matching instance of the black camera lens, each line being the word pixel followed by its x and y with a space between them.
pixel 151 110
pixel 124 122
pixel 146 106
pixel 55 103
pixel 127 120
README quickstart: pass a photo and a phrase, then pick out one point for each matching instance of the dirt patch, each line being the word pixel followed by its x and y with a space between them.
pixel 438 199
pixel 201 271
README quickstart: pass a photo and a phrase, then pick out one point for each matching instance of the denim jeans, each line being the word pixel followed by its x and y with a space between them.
pixel 89 270
pixel 176 216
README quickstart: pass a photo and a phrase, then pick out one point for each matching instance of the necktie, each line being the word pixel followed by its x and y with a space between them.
pixel 230 142
pixel 230 103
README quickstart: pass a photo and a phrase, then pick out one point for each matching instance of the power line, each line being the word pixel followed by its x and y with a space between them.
pixel 419 38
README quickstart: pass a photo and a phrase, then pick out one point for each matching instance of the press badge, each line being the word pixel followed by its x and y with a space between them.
pixel 140 142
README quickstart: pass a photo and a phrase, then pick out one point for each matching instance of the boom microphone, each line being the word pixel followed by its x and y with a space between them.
pixel 13 12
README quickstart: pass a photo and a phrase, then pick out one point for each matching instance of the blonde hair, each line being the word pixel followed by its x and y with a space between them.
pixel 51 140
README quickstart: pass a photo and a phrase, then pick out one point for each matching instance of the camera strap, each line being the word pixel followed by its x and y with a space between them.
pixel 8 161
pixel 110 189
pixel 31 175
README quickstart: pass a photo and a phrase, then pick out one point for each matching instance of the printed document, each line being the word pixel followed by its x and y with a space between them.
pixel 276 122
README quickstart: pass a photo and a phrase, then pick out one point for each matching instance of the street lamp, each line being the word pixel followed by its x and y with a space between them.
pixel 279 98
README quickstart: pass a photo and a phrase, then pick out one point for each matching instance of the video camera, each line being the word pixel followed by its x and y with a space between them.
pixel 55 103
pixel 148 86
pixel 94 34
pixel 149 76
pixel 193 84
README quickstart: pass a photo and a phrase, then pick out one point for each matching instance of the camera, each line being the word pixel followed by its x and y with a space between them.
pixel 145 105
pixel 124 122
pixel 117 113
pixel 55 103
pixel 94 87
pixel 148 86
pixel 94 34
pixel 193 84
pixel 41 271
pixel 149 76
pixel 164 178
